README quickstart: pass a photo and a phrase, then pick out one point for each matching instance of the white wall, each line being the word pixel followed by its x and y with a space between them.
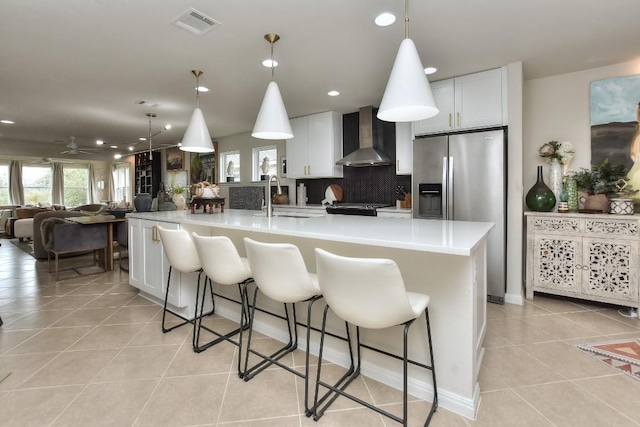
pixel 514 261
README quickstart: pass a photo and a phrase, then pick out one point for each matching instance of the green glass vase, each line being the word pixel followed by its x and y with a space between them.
pixel 540 198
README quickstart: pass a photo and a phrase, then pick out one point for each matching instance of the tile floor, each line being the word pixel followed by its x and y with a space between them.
pixel 88 351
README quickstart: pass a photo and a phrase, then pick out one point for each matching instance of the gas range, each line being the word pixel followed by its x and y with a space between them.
pixel 365 209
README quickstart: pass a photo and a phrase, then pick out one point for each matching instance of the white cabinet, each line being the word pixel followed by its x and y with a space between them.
pixel 404 151
pixel 149 266
pixel 316 146
pixel 591 257
pixel 468 102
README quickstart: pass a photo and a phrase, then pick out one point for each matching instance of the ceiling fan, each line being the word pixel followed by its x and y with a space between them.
pixel 72 148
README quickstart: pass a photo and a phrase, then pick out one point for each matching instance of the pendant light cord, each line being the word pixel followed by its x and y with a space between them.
pixel 273 69
pixel 406 19
pixel 197 73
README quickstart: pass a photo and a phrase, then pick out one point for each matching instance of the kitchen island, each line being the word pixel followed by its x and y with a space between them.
pixel 445 259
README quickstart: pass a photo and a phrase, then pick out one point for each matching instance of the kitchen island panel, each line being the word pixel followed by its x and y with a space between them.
pixel 456 284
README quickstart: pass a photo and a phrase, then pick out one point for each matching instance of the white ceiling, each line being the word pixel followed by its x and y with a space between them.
pixel 76 67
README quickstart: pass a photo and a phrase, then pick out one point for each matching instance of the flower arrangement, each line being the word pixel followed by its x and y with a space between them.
pixel 562 151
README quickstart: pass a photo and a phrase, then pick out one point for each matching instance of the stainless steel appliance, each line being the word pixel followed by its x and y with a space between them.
pixel 463 177
pixel 365 209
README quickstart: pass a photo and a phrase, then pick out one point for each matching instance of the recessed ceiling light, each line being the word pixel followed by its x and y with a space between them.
pixel 167 127
pixel 333 93
pixel 179 144
pixel 131 148
pixel 267 63
pixel 202 89
pixel 113 146
pixel 99 142
pixel 7 122
pixel 430 70
pixel 142 139
pixel 117 156
pixel 385 19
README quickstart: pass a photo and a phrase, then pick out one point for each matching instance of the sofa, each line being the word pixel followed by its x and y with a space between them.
pixel 39 251
pixel 21 225
pixel 60 237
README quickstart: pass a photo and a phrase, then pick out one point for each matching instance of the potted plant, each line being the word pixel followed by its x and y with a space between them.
pixel 178 198
pixel 599 183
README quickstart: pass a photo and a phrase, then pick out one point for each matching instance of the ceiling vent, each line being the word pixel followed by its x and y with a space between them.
pixel 195 22
pixel 146 103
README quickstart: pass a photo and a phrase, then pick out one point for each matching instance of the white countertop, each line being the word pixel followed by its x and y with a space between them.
pixel 436 236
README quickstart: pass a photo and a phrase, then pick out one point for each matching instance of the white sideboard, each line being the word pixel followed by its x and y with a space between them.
pixel 586 256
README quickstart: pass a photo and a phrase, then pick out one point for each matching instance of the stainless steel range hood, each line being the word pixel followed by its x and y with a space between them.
pixel 366 155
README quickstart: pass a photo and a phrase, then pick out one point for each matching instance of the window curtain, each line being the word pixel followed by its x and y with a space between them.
pixel 57 186
pixel 92 184
pixel 16 191
pixel 112 185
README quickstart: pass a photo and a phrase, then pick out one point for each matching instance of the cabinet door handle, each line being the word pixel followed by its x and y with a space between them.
pixel 450 120
pixel 397 165
pixel 154 233
pixel 458 118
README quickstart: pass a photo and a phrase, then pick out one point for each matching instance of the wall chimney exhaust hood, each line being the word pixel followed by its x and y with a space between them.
pixel 366 155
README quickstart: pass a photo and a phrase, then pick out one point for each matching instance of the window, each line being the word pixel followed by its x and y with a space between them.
pixel 4 184
pixel 36 181
pixel 121 184
pixel 76 185
pixel 269 153
pixel 230 166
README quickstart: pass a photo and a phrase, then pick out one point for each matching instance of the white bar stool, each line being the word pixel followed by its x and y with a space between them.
pixel 368 293
pixel 182 256
pixel 222 264
pixel 280 274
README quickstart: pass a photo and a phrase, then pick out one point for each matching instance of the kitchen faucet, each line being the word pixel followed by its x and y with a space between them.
pixel 268 194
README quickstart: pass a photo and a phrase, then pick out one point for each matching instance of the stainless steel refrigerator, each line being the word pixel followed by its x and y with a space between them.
pixel 463 177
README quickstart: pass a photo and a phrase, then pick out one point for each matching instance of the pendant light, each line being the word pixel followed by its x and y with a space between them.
pixel 408 96
pixel 272 121
pixel 197 139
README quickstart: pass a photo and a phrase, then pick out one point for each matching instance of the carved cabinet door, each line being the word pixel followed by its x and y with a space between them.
pixel 612 268
pixel 557 262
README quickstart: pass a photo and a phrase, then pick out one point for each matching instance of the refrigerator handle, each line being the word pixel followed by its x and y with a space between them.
pixel 451 189
pixel 445 203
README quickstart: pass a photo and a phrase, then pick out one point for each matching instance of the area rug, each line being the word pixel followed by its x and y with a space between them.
pixel 26 245
pixel 623 355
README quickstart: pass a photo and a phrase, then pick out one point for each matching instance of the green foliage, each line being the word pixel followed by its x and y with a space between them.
pixel 197 170
pixel 602 178
pixel 178 189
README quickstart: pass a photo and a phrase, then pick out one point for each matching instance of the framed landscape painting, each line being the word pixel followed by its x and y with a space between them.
pixel 614 110
pixel 175 159
pixel 615 113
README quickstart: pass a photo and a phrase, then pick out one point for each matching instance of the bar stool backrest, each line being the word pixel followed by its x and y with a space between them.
pixel 279 271
pixel 220 259
pixel 180 250
pixel 367 292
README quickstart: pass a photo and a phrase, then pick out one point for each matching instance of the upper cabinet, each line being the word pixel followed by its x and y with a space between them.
pixel 404 151
pixel 468 102
pixel 316 146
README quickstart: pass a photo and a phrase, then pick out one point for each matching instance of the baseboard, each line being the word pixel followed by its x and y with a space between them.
pixel 513 299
